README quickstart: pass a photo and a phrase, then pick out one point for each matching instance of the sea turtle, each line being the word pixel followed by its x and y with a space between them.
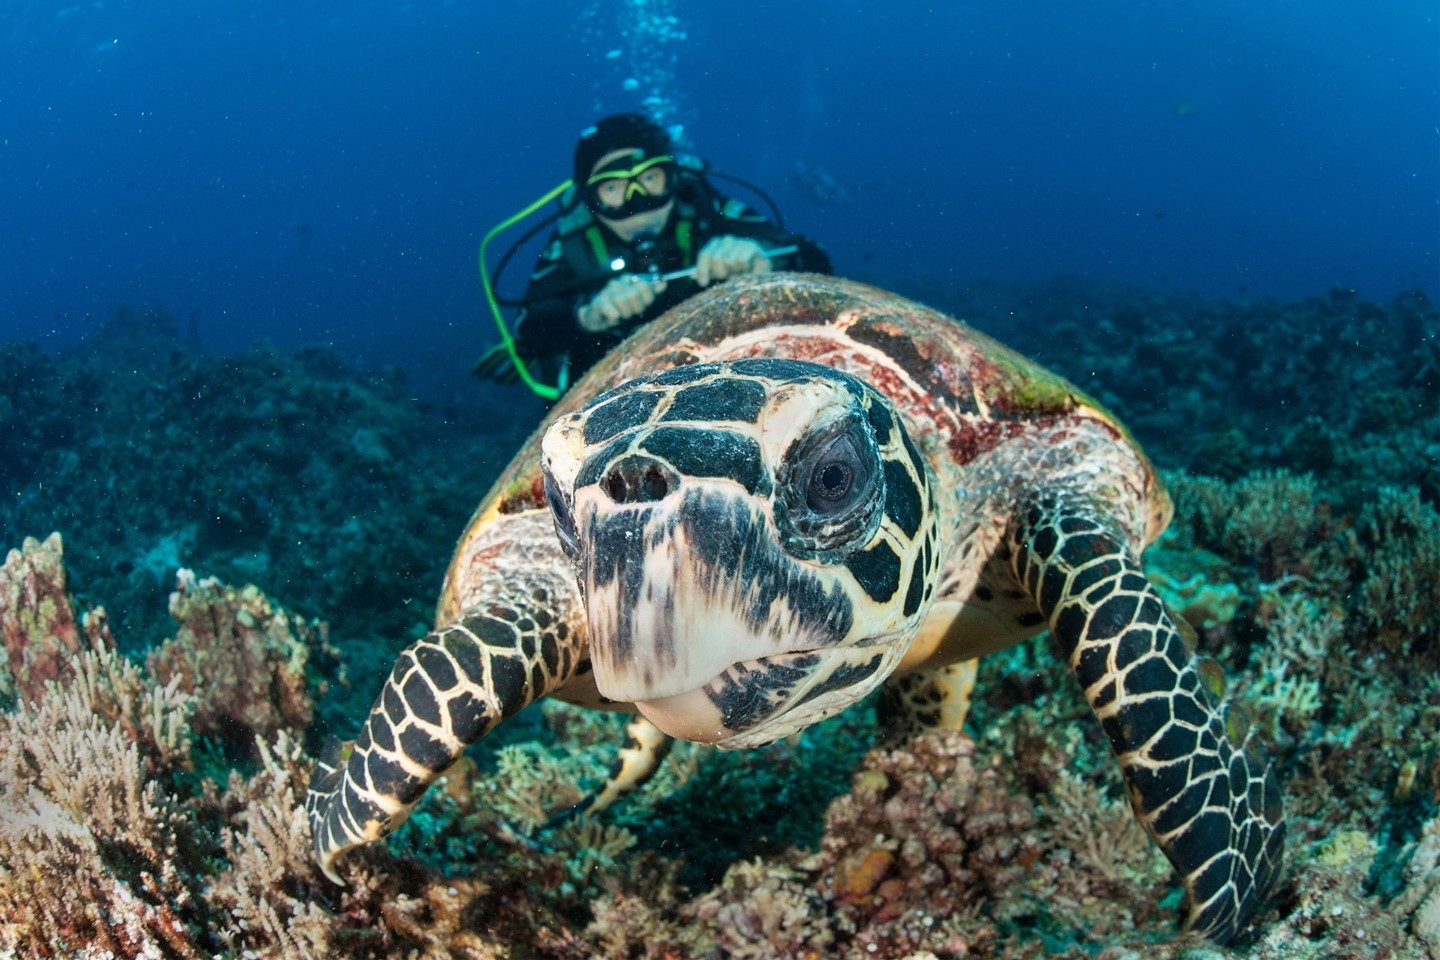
pixel 784 493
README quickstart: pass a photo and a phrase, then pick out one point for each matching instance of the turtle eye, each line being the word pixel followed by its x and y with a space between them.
pixel 564 520
pixel 832 485
pixel 837 478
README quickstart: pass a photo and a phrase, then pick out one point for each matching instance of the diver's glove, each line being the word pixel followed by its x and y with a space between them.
pixel 623 298
pixel 729 256
pixel 496 364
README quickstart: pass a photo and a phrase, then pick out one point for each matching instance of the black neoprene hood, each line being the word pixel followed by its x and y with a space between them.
pixel 619 132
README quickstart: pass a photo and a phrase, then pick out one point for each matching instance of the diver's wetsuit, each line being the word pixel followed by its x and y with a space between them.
pixel 576 265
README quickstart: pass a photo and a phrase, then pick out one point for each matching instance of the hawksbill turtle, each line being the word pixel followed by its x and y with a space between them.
pixel 789 491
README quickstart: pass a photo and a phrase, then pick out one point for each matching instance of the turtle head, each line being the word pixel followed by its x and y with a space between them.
pixel 755 541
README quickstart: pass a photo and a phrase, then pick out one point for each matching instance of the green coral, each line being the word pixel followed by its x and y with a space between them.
pixel 1270 519
pixel 1400 578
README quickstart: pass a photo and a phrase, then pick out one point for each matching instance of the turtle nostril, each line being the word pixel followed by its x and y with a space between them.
pixel 655 483
pixel 638 480
pixel 614 486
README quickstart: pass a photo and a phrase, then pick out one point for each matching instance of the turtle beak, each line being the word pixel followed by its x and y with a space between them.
pixel 701 620
pixel 672 588
pixel 760 701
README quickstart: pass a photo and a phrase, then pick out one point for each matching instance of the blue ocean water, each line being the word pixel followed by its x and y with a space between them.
pixel 324 172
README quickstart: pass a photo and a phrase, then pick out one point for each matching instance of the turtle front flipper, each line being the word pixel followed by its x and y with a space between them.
pixel 519 641
pixel 1213 810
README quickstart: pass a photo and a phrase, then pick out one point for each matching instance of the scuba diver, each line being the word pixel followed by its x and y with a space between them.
pixel 640 229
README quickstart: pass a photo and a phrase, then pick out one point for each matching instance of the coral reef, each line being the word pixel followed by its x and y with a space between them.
pixel 248 655
pixel 149 455
pixel 152 767
pixel 113 842
pixel 39 628
pixel 1333 385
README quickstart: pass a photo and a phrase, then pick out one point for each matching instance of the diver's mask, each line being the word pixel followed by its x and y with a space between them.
pixel 629 185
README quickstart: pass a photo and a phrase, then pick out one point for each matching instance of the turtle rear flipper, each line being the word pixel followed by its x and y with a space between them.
pixel 645 748
pixel 933 699
pixel 1214 811
pixel 519 642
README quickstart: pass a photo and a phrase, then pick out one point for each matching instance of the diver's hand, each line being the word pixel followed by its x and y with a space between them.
pixel 496 364
pixel 729 256
pixel 623 298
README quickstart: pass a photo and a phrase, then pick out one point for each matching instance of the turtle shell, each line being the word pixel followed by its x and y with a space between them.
pixel 961 392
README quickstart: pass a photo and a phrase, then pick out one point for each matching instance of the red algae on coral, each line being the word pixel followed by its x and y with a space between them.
pixel 37 624
pixel 246 653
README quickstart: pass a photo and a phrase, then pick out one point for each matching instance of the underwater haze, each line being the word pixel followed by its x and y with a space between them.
pixel 323 172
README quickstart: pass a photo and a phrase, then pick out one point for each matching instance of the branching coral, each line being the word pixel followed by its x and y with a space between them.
pixel 1304 651
pixel 532 785
pixel 591 848
pixel 1302 634
pixel 59 893
pixel 91 835
pixel 644 926
pixel 1400 577
pixel 111 845
pixel 1103 833
pixel 764 910
pixel 1272 518
pixel 271 883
